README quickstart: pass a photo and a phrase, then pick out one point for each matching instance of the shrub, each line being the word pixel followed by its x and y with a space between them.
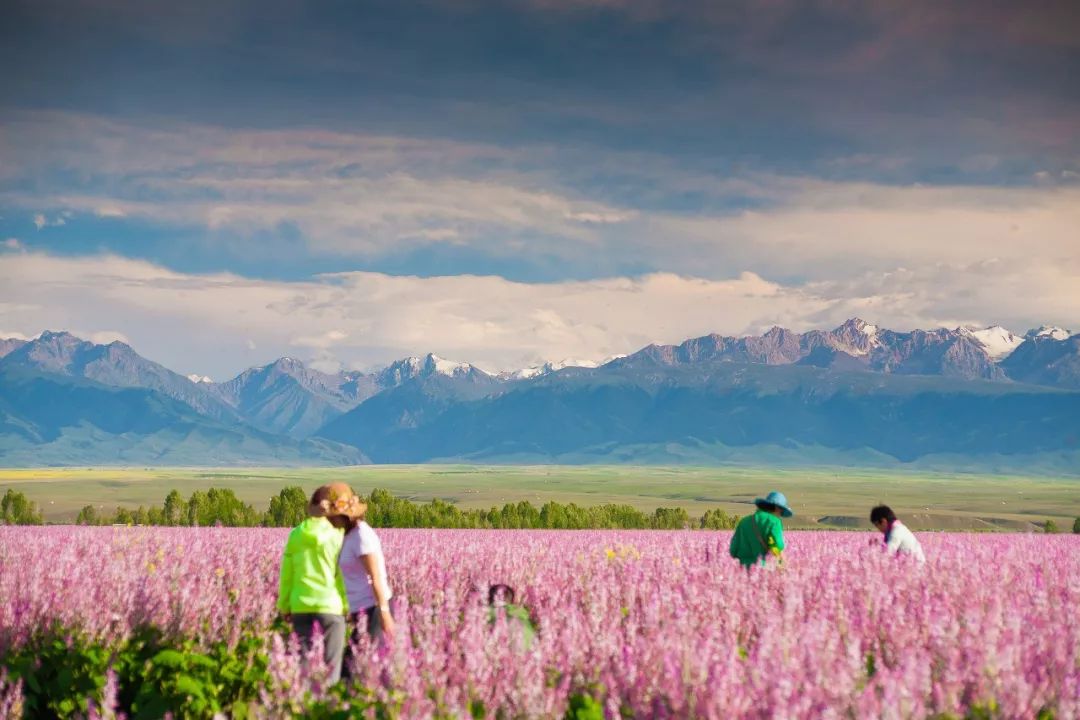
pixel 15 509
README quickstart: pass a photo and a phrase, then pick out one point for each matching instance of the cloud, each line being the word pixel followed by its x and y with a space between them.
pixel 42 221
pixel 323 341
pixel 406 204
pixel 104 337
pixel 362 319
pixel 599 218
pixel 12 243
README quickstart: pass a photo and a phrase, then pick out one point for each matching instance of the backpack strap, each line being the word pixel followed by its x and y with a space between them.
pixel 760 537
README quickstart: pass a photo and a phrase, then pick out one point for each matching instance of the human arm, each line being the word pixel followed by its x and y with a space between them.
pixel 776 540
pixel 371 563
pixel 285 580
pixel 895 539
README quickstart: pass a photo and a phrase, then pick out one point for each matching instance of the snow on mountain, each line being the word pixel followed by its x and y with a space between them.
pixel 200 379
pixel 1049 331
pixel 996 340
pixel 855 337
pixel 549 367
pixel 450 368
pixel 428 365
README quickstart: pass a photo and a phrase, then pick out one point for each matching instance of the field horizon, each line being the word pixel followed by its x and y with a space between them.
pixel 823 498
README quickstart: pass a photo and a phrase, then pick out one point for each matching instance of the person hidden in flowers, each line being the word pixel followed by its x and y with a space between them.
pixel 761 535
pixel 366 586
pixel 501 604
pixel 311 589
pixel 898 539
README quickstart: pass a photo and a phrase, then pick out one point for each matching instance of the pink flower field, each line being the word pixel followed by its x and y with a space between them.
pixel 647 624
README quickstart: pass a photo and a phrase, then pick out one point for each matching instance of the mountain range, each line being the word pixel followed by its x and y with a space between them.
pixel 967 398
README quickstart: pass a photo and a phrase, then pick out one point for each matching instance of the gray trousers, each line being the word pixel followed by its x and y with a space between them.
pixel 369 619
pixel 333 632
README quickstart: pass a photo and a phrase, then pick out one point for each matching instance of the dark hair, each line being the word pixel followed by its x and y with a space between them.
pixel 505 592
pixel 767 506
pixel 882 512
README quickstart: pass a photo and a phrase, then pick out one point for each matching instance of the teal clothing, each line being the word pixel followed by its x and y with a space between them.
pixel 746 544
pixel 311 580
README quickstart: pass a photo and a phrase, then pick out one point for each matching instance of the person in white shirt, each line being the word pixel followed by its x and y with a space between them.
pixel 898 539
pixel 367 589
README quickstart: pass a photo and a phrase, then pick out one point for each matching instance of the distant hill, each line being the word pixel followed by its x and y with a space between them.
pixel 115 364
pixel 973 398
pixel 7 345
pixel 1046 360
pixel 51 419
pixel 854 345
pixel 725 411
pixel 287 397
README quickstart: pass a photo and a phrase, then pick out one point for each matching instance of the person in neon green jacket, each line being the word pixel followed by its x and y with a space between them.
pixel 760 535
pixel 311 590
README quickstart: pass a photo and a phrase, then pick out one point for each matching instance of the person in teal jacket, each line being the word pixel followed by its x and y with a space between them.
pixel 311 590
pixel 760 535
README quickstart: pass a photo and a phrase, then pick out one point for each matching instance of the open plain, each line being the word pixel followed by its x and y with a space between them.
pixel 822 498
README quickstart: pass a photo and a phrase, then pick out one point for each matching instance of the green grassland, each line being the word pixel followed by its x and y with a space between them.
pixel 822 498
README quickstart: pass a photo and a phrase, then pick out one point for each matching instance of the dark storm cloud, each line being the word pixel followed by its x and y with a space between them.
pixel 793 86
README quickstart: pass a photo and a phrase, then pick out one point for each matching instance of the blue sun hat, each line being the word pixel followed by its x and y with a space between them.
pixel 776 498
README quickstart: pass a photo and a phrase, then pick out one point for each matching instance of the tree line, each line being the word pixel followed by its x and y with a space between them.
pixel 221 507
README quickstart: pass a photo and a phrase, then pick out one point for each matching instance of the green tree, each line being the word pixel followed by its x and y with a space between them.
pixel 89 516
pixel 1076 526
pixel 718 520
pixel 287 509
pixel 197 510
pixel 1050 527
pixel 224 508
pixel 174 512
pixel 16 509
pixel 669 519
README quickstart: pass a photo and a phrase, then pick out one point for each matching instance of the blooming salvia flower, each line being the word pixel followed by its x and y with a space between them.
pixel 663 625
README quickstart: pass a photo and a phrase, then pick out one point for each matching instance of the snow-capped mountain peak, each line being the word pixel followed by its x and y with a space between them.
pixel 200 379
pixel 442 366
pixel 547 368
pixel 856 337
pixel 1049 331
pixel 995 340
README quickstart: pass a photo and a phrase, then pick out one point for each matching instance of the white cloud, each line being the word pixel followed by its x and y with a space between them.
pixel 600 218
pixel 371 197
pixel 365 319
pixel 43 221
pixel 328 339
pixel 104 337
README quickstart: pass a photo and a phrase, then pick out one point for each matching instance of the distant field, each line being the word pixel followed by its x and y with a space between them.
pixel 839 498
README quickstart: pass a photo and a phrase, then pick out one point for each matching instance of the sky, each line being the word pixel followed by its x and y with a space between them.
pixel 223 182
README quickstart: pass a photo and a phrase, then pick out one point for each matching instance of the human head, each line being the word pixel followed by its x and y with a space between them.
pixel 336 502
pixel 500 594
pixel 881 517
pixel 775 503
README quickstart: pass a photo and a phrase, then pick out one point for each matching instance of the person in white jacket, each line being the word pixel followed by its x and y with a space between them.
pixel 898 539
